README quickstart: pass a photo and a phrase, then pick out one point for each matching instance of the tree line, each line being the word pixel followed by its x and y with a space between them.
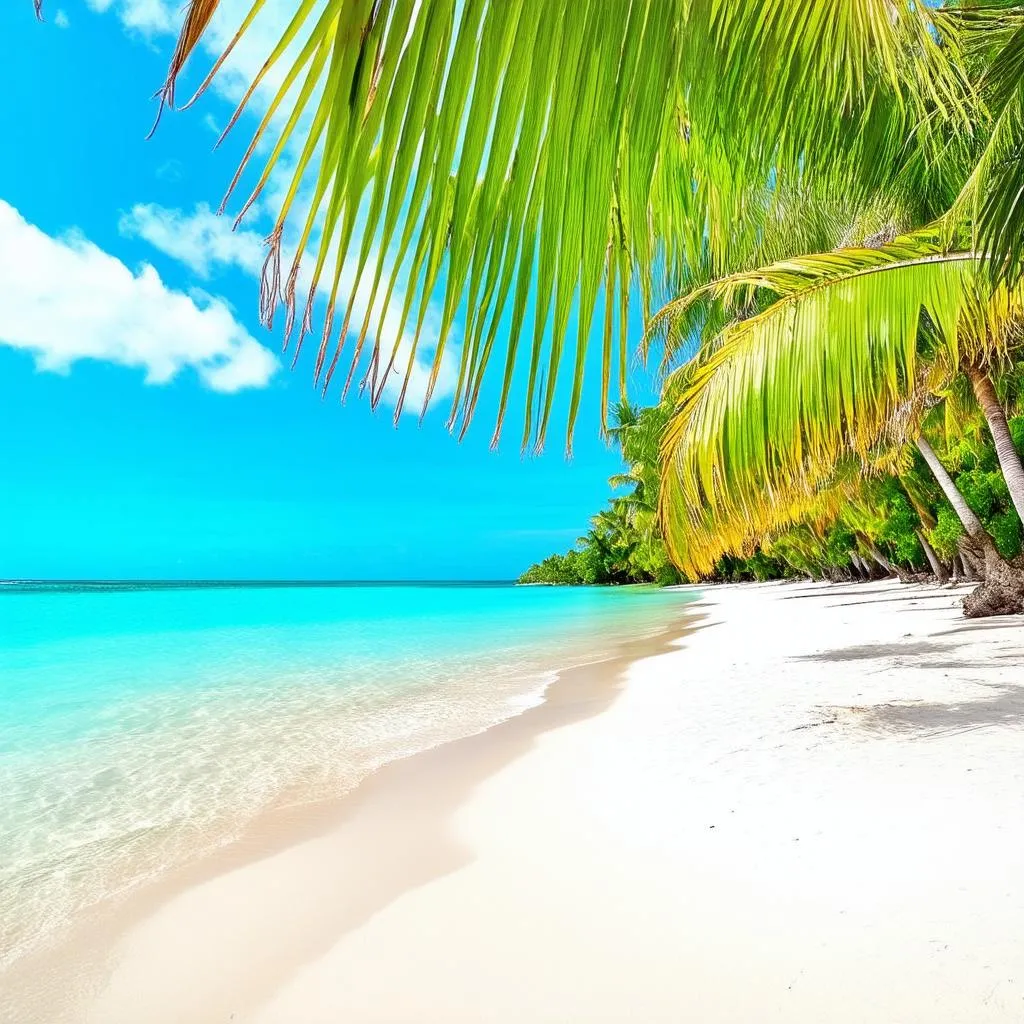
pixel 897 525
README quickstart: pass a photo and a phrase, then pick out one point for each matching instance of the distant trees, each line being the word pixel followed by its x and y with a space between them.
pixel 886 524
pixel 623 544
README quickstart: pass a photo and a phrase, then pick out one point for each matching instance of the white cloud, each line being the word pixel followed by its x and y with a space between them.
pixel 65 299
pixel 60 19
pixel 204 242
pixel 151 17
pixel 201 240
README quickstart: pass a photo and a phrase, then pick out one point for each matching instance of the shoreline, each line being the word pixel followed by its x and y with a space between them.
pixel 81 965
pixel 805 808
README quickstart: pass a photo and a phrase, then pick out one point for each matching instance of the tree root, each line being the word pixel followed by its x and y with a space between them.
pixel 1002 589
pixel 994 597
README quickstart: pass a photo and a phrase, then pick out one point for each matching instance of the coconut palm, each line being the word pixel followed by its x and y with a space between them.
pixel 638 433
pixel 992 198
pixel 518 159
pixel 843 356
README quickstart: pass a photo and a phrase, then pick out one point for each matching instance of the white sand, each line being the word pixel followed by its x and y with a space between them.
pixel 811 811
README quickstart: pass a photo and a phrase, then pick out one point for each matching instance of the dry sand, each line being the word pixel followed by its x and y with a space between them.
pixel 809 809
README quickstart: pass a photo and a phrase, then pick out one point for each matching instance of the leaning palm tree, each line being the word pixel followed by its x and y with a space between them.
pixel 523 160
pixel 843 356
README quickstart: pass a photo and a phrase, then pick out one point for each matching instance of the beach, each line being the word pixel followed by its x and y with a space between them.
pixel 806 808
pixel 155 735
pixel 352 670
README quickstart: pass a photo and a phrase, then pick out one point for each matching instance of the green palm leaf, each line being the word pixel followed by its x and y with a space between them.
pixel 993 196
pixel 840 362
pixel 515 159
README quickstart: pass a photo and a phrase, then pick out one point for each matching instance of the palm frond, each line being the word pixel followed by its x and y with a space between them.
pixel 838 364
pixel 515 159
pixel 697 538
pixel 617 480
pixel 198 15
pixel 993 195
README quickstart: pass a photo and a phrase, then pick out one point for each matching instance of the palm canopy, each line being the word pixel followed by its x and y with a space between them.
pixel 522 157
pixel 993 196
pixel 841 359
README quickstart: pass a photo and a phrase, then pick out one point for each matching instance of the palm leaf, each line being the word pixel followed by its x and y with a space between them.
pixel 493 152
pixel 840 362
pixel 993 196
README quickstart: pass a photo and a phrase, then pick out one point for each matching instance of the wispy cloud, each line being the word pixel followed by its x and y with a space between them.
pixel 201 240
pixel 150 17
pixel 205 243
pixel 65 299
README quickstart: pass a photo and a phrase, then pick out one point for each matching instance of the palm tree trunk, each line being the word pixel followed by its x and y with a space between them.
pixel 979 550
pixel 933 559
pixel 891 568
pixel 971 523
pixel 878 557
pixel 960 571
pixel 1009 459
pixel 859 566
pixel 1002 588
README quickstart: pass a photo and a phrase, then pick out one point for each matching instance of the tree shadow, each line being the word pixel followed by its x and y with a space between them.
pixel 869 652
pixel 905 600
pixel 986 625
pixel 1003 706
pixel 1000 704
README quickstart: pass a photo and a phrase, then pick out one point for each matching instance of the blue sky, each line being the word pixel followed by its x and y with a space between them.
pixel 151 429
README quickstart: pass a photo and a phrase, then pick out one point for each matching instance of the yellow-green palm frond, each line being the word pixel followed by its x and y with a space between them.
pixel 993 196
pixel 779 223
pixel 841 364
pixel 512 160
pixel 848 53
pixel 738 293
pixel 697 537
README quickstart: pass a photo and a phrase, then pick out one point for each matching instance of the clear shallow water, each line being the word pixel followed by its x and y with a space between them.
pixel 143 727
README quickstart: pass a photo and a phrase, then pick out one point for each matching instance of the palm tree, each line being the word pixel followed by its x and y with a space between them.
pixel 519 158
pixel 845 354
pixel 522 157
pixel 992 196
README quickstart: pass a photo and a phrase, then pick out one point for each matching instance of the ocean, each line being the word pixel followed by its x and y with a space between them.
pixel 143 726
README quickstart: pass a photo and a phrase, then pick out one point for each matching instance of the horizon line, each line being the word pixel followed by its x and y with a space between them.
pixel 240 581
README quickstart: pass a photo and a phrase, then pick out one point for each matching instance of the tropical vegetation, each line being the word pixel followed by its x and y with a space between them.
pixel 624 543
pixel 824 202
pixel 891 524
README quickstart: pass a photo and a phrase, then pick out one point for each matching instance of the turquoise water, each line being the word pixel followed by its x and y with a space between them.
pixel 141 727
